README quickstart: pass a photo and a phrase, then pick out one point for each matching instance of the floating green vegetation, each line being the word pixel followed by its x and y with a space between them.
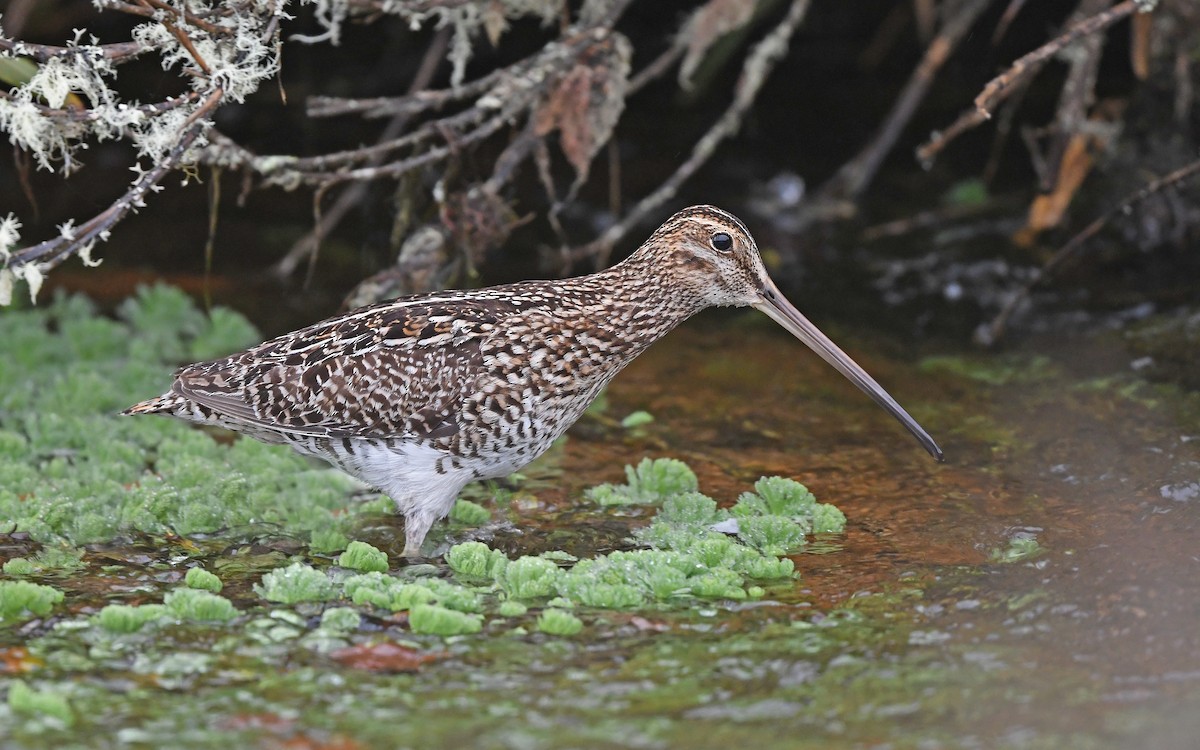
pixel 26 701
pixel 199 578
pixel 696 549
pixel 434 620
pixel 199 606
pixel 341 619
pixel 650 482
pixel 386 592
pixel 780 496
pixel 511 608
pixel 72 470
pixel 20 599
pixel 1020 548
pixel 123 618
pixel 364 557
pixel 297 582
pixel 992 369
pixel 559 622
pixel 476 560
pixel 49 560
pixel 529 578
pixel 469 513
pixel 637 419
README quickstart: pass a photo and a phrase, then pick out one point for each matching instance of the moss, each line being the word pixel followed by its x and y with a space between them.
pixel 26 701
pixel 295 583
pixel 992 370
pixel 19 599
pixel 651 481
pixel 469 513
pixel 434 620
pixel 559 622
pixel 123 618
pixel 364 557
pixel 199 606
pixel 199 578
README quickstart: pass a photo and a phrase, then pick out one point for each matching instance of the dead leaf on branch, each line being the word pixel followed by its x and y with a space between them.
pixel 585 105
pixel 706 26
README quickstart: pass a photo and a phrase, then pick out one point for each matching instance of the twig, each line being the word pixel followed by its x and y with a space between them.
pixel 988 334
pixel 87 115
pixel 52 252
pixel 855 175
pixel 117 52
pixel 1004 84
pixel 755 70
pixel 308 245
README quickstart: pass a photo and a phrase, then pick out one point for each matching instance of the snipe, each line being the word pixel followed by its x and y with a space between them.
pixel 423 394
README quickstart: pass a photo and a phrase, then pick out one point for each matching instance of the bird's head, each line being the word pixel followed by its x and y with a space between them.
pixel 711 253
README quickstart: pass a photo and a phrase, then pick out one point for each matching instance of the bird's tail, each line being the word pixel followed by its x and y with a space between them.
pixel 168 403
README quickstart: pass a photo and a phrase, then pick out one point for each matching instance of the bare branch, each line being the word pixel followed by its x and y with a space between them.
pixel 990 333
pixel 758 65
pixel 1000 87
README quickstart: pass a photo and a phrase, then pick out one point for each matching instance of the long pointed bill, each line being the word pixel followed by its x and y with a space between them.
pixel 783 313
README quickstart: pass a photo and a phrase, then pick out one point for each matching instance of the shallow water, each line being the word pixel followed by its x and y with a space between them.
pixel 912 629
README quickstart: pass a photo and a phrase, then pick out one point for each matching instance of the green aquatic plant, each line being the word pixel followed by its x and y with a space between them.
pixel 199 606
pixel 637 419
pixel 20 599
pixel 432 619
pixel 124 618
pixel 387 592
pixel 690 509
pixel 364 557
pixel 297 582
pixel 780 496
pixel 340 619
pixel 199 578
pixel 650 482
pixel 325 541
pixel 528 578
pixel 772 535
pixel 469 513
pixel 72 470
pixel 1020 548
pixel 19 566
pixel 26 701
pixel 476 560
pixel 511 608
pixel 559 622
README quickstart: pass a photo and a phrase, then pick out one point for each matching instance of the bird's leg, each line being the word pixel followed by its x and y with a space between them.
pixel 416 526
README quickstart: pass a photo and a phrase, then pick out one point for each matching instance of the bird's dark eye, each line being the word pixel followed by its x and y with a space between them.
pixel 722 241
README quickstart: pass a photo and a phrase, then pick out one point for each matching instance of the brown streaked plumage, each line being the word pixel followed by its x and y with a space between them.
pixel 423 394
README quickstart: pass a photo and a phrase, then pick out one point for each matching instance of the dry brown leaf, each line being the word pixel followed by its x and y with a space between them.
pixel 1047 210
pixel 586 103
pixel 708 24
pixel 385 656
